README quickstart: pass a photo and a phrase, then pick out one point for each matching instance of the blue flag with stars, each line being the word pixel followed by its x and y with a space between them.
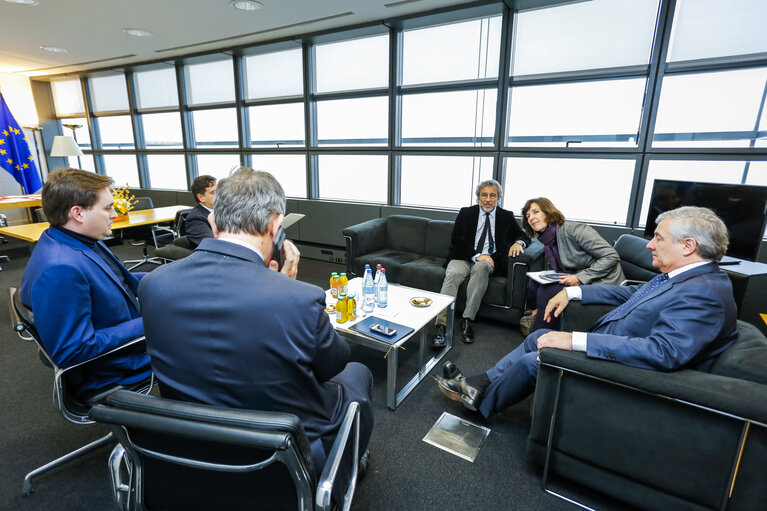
pixel 15 156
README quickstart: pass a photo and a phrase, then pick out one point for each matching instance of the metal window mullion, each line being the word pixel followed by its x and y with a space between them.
pixel 502 104
pixel 243 126
pixel 187 128
pixel 310 121
pixel 396 49
pixel 137 127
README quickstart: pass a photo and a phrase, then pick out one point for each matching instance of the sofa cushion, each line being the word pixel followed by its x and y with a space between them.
pixel 424 273
pixel 746 359
pixel 406 233
pixel 438 234
pixel 391 260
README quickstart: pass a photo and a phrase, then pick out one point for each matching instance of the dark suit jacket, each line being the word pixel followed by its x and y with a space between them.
pixel 197 226
pixel 82 310
pixel 223 329
pixel 507 231
pixel 685 322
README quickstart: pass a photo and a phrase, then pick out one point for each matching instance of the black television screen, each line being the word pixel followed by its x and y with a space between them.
pixel 742 208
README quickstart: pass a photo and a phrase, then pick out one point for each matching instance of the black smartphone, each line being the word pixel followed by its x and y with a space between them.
pixel 279 239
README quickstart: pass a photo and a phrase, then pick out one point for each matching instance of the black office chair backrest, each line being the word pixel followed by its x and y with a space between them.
pixel 188 456
pixel 180 221
pixel 636 259
pixel 143 203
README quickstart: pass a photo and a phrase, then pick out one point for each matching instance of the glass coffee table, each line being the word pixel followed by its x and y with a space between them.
pixel 400 310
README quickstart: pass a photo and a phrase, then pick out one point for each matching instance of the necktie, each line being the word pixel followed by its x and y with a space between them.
pixel 643 291
pixel 485 233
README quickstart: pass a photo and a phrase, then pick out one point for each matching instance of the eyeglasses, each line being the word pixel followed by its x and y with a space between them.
pixel 488 195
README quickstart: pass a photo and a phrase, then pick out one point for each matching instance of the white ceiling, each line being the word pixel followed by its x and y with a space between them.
pixel 92 29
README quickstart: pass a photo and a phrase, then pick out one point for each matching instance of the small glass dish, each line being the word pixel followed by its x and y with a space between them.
pixel 420 301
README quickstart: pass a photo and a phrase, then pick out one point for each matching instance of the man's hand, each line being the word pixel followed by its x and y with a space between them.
pixel 292 256
pixel 487 259
pixel 560 340
pixel 569 280
pixel 556 305
pixel 516 249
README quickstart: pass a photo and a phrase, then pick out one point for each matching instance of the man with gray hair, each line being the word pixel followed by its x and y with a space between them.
pixel 480 246
pixel 683 318
pixel 225 327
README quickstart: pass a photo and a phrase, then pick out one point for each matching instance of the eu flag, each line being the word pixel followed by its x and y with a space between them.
pixel 15 156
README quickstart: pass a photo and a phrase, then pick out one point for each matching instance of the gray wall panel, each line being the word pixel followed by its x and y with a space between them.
pixel 325 220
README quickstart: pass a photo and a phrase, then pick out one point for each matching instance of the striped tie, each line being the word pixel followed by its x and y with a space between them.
pixel 643 291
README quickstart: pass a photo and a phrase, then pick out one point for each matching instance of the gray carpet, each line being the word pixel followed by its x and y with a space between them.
pixel 406 473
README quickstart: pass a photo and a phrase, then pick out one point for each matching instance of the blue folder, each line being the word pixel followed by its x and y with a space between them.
pixel 364 327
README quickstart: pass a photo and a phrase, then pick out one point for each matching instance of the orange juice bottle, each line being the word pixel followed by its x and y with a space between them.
pixel 334 284
pixel 342 315
pixel 343 286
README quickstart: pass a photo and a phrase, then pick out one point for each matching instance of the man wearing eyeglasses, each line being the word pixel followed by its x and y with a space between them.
pixel 484 237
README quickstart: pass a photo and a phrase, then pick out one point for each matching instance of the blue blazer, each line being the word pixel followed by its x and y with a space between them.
pixel 82 310
pixel 685 322
pixel 197 226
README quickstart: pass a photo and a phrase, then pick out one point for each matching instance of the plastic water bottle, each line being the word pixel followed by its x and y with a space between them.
pixel 378 274
pixel 368 291
pixel 382 290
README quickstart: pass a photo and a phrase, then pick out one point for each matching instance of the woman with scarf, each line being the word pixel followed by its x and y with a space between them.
pixel 571 248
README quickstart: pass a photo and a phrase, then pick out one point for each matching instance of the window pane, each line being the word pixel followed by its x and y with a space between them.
pixel 217 165
pixel 116 132
pixel 277 125
pixel 289 169
pixel 359 178
pixel 603 113
pixel 459 51
pixel 167 171
pixel 757 173
pixel 210 82
pixel 710 109
pixel 68 97
pixel 443 181
pixel 274 74
pixel 569 184
pixel 462 118
pixel 712 28
pixel 702 171
pixel 350 65
pixel 162 130
pixel 584 35
pixel 122 169
pixel 215 128
pixel 353 121
pixel 86 162
pixel 156 88
pixel 81 134
pixel 109 93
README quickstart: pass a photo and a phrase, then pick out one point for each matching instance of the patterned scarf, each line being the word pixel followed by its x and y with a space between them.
pixel 549 239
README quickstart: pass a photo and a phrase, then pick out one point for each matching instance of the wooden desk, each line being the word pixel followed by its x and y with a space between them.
pixel 32 232
pixel 20 201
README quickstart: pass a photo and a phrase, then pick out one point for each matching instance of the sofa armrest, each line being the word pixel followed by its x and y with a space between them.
pixel 530 260
pixel 363 239
pixel 578 317
pixel 741 398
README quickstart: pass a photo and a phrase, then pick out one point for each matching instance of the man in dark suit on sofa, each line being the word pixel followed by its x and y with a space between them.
pixel 480 246
pixel 225 328
pixel 197 226
pixel 83 298
pixel 683 318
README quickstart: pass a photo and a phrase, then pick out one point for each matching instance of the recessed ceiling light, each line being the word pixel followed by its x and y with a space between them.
pixel 137 32
pixel 23 2
pixel 247 5
pixel 54 49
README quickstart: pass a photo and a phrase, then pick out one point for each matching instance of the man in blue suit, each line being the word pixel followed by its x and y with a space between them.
pixel 684 318
pixel 83 298
pixel 224 327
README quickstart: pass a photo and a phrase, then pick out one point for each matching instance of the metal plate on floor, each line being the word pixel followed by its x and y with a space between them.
pixel 457 436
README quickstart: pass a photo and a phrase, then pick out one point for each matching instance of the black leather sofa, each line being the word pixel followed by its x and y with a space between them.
pixel 683 440
pixel 413 251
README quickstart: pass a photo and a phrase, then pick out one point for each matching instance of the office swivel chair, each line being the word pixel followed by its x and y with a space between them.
pixel 64 402
pixel 180 247
pixel 145 234
pixel 176 455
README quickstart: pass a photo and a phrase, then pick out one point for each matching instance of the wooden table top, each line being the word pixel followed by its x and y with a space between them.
pixel 20 201
pixel 32 232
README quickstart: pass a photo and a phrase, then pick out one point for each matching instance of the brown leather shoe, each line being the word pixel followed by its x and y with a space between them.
pixel 458 390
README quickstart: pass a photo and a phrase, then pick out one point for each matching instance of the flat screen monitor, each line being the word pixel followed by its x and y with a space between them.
pixel 742 208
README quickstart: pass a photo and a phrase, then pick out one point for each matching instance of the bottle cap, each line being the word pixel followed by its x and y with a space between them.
pixel 350 296
pixel 342 296
pixel 333 274
pixel 343 274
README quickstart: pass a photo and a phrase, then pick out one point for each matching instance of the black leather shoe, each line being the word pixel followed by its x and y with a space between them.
pixel 440 341
pixel 364 464
pixel 450 370
pixel 467 331
pixel 458 390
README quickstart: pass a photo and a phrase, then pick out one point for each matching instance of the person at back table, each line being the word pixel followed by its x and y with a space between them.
pixel 571 248
pixel 484 237
pixel 83 298
pixel 225 328
pixel 197 225
pixel 683 318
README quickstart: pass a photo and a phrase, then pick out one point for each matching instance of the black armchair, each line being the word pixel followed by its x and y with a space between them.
pixel 146 234
pixel 658 440
pixel 180 247
pixel 178 455
pixel 73 409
